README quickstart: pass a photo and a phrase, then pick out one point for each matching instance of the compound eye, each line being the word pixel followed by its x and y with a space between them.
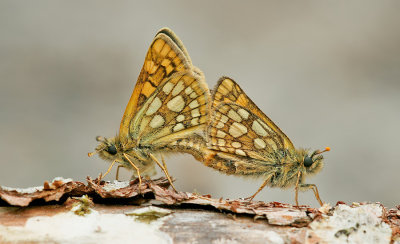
pixel 308 161
pixel 111 150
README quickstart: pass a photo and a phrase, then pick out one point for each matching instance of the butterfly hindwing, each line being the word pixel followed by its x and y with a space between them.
pixel 177 108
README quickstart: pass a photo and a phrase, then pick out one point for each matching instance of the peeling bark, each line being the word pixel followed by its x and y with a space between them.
pixel 126 212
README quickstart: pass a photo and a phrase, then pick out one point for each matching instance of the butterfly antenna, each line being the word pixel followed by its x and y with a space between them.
pixel 327 149
pixel 100 139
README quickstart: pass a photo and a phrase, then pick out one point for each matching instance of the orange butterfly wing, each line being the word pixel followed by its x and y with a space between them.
pixel 228 91
pixel 166 56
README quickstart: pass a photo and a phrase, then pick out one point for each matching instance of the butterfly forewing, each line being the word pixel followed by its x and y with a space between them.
pixel 227 90
pixel 165 56
pixel 177 108
pixel 237 130
pixel 172 37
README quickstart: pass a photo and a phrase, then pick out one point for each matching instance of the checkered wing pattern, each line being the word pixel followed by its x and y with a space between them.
pixel 236 130
pixel 170 99
pixel 166 56
pixel 228 91
pixel 176 109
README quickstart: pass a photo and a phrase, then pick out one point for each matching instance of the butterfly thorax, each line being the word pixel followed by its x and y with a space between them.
pixel 294 164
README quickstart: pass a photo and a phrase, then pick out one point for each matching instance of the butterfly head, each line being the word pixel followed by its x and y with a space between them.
pixel 314 162
pixel 107 148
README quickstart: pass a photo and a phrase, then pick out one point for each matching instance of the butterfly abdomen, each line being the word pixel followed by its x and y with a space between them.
pixel 194 145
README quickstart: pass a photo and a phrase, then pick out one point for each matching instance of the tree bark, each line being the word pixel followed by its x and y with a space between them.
pixel 66 211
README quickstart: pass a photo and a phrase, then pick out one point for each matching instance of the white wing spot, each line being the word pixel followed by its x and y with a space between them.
pixel 243 113
pixel 221 142
pixel 195 121
pixel 240 152
pixel 235 116
pixel 236 144
pixel 220 125
pixel 178 127
pixel 180 118
pixel 224 119
pixel 259 143
pixel 178 88
pixel 168 87
pixel 223 149
pixel 272 143
pixel 154 106
pixel 176 104
pixel 195 112
pixel 194 104
pixel 237 129
pixel 265 126
pixel 193 95
pixel 157 121
pixel 258 129
pixel 221 134
pixel 188 90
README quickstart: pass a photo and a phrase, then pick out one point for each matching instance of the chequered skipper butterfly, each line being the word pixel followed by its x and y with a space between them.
pixel 166 113
pixel 244 141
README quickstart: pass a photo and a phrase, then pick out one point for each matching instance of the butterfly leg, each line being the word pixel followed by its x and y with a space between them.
pixel 296 188
pixel 259 189
pixel 163 162
pixel 165 165
pixel 164 168
pixel 108 170
pixel 315 190
pixel 118 167
pixel 137 169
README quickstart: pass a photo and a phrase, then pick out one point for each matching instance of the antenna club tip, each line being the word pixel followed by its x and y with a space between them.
pixel 90 154
pixel 327 149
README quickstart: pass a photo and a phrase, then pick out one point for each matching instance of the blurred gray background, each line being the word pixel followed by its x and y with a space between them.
pixel 327 72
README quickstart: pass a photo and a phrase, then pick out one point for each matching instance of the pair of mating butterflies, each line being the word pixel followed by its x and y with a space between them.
pixel 171 110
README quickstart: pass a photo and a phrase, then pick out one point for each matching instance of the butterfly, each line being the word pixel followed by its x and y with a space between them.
pixel 167 111
pixel 243 141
